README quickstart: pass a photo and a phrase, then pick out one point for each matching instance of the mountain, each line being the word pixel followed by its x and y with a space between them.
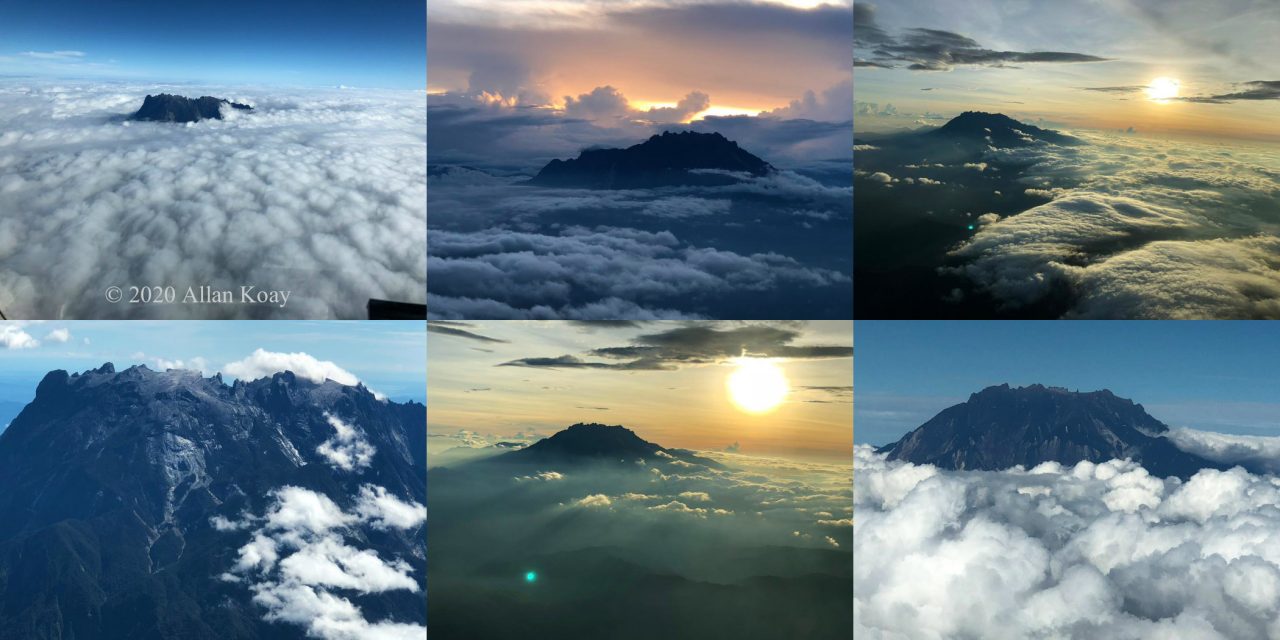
pixel 586 443
pixel 113 482
pixel 687 158
pixel 998 130
pixel 1000 427
pixel 170 108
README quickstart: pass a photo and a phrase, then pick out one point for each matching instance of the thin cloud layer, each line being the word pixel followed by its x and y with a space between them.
pixel 693 344
pixel 920 49
pixel 317 192
pixel 1094 550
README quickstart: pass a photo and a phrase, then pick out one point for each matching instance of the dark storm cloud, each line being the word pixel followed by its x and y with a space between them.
pixel 458 330
pixel 696 344
pixel 938 50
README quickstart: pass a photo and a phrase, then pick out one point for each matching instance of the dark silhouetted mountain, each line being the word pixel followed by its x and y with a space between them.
pixel 170 108
pixel 584 443
pixel 997 129
pixel 670 159
pixel 111 478
pixel 1000 427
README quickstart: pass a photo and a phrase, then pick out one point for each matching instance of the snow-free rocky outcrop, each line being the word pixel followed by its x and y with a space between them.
pixel 128 496
pixel 1001 427
pixel 167 107
pixel 687 158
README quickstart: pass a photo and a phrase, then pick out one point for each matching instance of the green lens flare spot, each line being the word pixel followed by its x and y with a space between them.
pixel 971 227
pixel 531 576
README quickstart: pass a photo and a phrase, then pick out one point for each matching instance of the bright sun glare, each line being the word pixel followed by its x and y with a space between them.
pixel 1163 89
pixel 757 386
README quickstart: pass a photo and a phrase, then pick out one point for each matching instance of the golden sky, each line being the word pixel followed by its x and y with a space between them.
pixel 1176 67
pixel 685 406
pixel 747 56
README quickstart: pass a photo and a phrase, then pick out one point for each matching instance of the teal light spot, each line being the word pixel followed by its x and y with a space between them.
pixel 531 576
pixel 971 227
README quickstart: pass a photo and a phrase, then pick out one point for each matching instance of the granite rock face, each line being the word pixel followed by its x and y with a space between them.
pixel 112 480
pixel 1001 427
pixel 171 108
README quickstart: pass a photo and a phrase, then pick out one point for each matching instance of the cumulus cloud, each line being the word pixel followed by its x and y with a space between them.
pixel 833 105
pixel 318 192
pixel 594 500
pixel 300 554
pixel 1087 551
pixel 262 363
pixel 347 449
pixel 1142 229
pixel 60 335
pixel 12 336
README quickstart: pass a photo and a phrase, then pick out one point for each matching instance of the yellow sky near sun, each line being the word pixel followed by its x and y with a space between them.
pixel 688 408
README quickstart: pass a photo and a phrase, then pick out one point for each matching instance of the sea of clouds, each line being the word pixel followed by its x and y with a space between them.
pixel 1138 227
pixel 1090 551
pixel 321 192
pixel 505 251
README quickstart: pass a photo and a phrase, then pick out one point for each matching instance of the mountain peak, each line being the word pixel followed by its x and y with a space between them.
pixel 173 108
pixel 587 442
pixel 668 159
pixel 999 130
pixel 1002 426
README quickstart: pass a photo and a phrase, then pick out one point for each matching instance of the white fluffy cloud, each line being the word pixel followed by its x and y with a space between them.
pixel 1090 551
pixel 1143 229
pixel 347 449
pixel 319 192
pixel 262 363
pixel 12 336
pixel 300 554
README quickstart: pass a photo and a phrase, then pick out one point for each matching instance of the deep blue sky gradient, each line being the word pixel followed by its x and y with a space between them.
pixel 1207 375
pixel 378 43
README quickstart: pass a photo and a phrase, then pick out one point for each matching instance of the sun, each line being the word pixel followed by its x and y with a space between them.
pixel 1163 89
pixel 757 386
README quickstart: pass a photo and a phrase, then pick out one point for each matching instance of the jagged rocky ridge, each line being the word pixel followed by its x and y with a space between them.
pixel 1001 427
pixel 167 107
pixel 687 158
pixel 111 480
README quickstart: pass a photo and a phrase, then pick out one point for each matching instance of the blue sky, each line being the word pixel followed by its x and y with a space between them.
pixel 319 42
pixel 1219 376
pixel 389 357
